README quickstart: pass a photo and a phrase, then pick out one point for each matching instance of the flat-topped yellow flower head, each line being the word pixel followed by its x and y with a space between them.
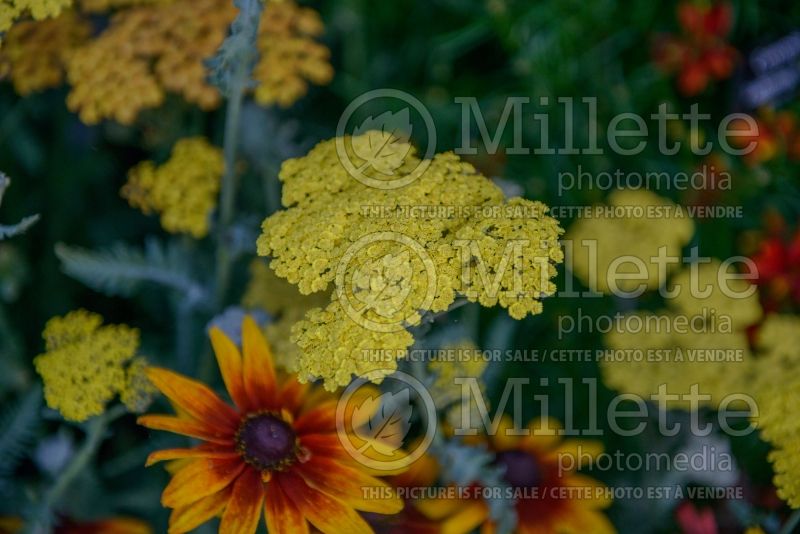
pixel 393 254
pixel 183 190
pixel 87 364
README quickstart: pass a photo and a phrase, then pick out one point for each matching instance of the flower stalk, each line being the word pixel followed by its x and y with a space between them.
pixel 231 71
pixel 96 430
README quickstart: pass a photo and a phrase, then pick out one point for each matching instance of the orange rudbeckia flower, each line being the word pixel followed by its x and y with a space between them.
pixel 553 498
pixel 276 450
pixel 549 497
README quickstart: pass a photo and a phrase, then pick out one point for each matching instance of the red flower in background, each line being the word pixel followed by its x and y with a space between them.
pixel 695 520
pixel 778 264
pixel 778 133
pixel 701 52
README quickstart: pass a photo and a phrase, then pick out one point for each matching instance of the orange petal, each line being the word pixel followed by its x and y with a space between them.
pixel 188 518
pixel 350 485
pixel 469 517
pixel 187 427
pixel 282 516
pixel 578 451
pixel 325 445
pixel 437 508
pixel 544 435
pixel 194 398
pixel 324 512
pixel 328 445
pixel 230 365
pixel 259 369
pixel 321 417
pixel 316 396
pixel 199 479
pixel 320 420
pixel 201 451
pixel 293 394
pixel 243 512
pixel 506 437
pixel 117 525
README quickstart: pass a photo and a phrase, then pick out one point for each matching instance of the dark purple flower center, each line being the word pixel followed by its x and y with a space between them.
pixel 522 469
pixel 266 441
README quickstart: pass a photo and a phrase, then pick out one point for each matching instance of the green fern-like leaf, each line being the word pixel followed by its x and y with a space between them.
pixel 19 424
pixel 20 227
pixel 122 270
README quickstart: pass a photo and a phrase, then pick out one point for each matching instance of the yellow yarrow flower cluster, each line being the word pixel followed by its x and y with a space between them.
pixel 289 55
pixel 86 364
pixel 11 10
pixel 391 267
pixel 335 348
pixel 671 359
pixel 138 392
pixel 146 52
pixel 155 47
pixel 777 387
pixel 183 190
pixel 769 373
pixel 285 304
pixel 487 240
pixel 103 6
pixel 616 231
pixel 716 288
pixel 36 51
pixel 673 344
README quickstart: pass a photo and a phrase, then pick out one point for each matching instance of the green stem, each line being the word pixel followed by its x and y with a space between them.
pixel 229 180
pixel 184 306
pixel 183 335
pixel 791 523
pixel 11 353
pixel 96 429
pixel 272 190
pixel 12 119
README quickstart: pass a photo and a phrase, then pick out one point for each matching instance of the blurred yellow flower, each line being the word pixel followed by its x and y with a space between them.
pixel 155 47
pixel 639 362
pixel 716 288
pixel 11 525
pixel 36 51
pixel 183 190
pixel 102 6
pixel 699 340
pixel 144 53
pixel 138 392
pixel 87 364
pixel 601 243
pixel 777 391
pixel 289 56
pixel 11 10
